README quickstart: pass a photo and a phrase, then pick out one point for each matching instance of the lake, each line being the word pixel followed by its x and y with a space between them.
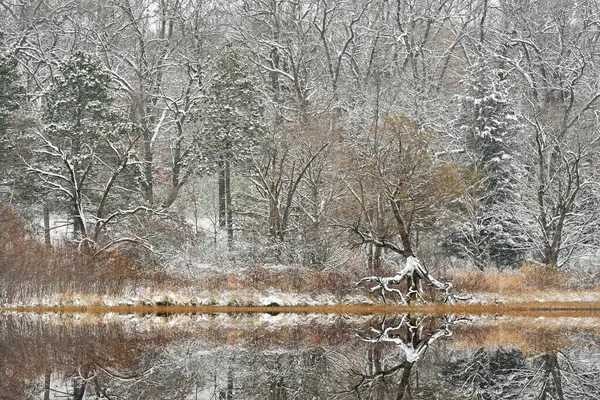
pixel 282 356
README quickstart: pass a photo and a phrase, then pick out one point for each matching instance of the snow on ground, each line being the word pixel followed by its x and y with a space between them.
pixel 191 297
pixel 249 297
pixel 189 322
pixel 539 296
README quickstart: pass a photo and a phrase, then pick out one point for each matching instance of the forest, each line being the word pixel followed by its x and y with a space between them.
pixel 310 143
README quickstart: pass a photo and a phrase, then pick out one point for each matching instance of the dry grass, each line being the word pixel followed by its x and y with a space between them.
pixel 32 270
pixel 288 280
pixel 529 334
pixel 529 277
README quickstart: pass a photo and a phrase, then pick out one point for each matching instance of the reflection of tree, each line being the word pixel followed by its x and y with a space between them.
pixel 413 338
pixel 393 360
pixel 60 360
pixel 487 374
pixel 284 375
pixel 551 377
pixel 509 374
pixel 557 374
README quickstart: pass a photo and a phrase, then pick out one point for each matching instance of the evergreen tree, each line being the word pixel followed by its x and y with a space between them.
pixel 11 95
pixel 232 126
pixel 84 147
pixel 11 92
pixel 489 126
pixel 76 116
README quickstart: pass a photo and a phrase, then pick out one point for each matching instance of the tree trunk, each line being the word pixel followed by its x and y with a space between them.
pixel 553 377
pixel 274 212
pixel 277 390
pixel 409 284
pixel 47 238
pixel 369 249
pixel 77 222
pixel 79 386
pixel 551 256
pixel 228 207
pixel 378 260
pixel 404 387
pixel 147 184
pixel 412 279
pixel 229 384
pixel 222 196
pixel 47 378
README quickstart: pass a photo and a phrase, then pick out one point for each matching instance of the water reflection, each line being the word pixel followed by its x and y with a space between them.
pixel 281 357
pixel 413 336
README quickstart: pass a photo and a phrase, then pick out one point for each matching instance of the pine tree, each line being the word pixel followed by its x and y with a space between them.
pixel 11 92
pixel 84 148
pixel 232 126
pixel 76 114
pixel 489 126
pixel 11 96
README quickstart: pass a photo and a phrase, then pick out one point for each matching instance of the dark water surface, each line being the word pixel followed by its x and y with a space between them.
pixel 297 356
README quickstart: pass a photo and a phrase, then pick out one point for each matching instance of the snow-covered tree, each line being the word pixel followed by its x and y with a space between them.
pixel 297 186
pixel 233 127
pixel 11 93
pixel 158 52
pixel 561 91
pixel 488 124
pixel 83 149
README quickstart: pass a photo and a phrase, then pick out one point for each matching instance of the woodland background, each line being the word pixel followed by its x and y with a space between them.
pixel 315 133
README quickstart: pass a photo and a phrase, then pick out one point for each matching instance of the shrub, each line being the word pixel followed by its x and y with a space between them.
pixel 32 270
pixel 291 280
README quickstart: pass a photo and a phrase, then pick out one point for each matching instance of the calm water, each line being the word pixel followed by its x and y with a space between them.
pixel 291 356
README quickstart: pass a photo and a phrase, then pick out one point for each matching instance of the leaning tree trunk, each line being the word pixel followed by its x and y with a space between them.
pixel 413 273
pixel 414 276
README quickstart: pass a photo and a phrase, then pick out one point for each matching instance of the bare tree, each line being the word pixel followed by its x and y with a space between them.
pixel 157 52
pixel 399 189
pixel 295 178
pixel 552 47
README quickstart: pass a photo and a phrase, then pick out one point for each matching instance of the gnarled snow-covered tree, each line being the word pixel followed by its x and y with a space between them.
pixel 399 186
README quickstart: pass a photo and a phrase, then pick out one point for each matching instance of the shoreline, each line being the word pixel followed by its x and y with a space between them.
pixel 549 309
